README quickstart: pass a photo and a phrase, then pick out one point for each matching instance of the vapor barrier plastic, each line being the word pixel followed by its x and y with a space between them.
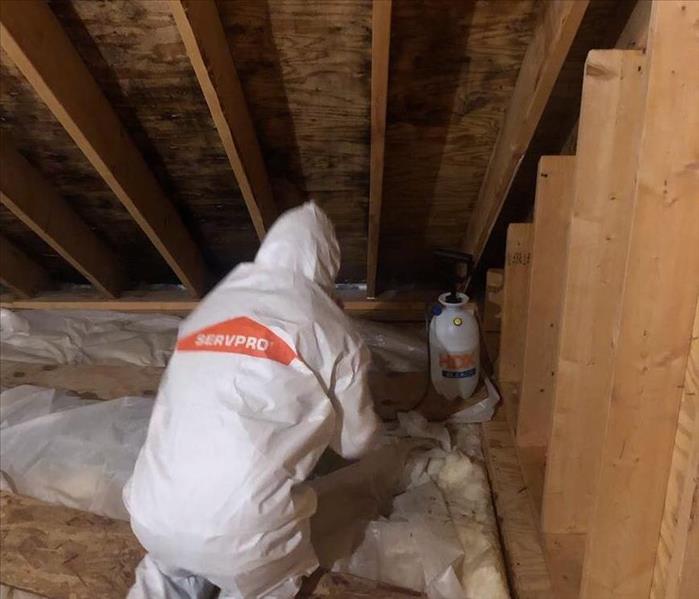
pixel 415 513
pixel 105 337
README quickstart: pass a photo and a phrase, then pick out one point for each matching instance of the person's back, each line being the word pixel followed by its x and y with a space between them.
pixel 266 374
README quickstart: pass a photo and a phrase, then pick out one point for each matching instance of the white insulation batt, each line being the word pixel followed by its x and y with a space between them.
pixel 416 513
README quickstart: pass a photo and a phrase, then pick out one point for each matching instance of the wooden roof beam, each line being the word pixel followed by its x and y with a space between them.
pixel 174 300
pixel 380 50
pixel 35 41
pixel 25 192
pixel 204 38
pixel 541 66
pixel 19 272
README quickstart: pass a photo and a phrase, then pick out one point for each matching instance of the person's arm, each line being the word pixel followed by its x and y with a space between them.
pixel 357 424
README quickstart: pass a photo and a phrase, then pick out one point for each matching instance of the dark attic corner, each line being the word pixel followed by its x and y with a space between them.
pixel 349 299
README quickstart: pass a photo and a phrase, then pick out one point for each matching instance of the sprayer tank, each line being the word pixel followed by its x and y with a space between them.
pixel 454 348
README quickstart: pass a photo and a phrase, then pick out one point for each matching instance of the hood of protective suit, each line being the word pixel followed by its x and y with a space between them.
pixel 303 240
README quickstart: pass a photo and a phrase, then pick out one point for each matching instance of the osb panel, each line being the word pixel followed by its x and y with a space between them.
pixel 61 552
pixel 453 66
pixel 134 50
pixel 65 553
pixel 44 142
pixel 305 70
pixel 36 249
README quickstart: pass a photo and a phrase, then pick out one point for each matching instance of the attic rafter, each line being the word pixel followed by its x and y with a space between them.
pixel 25 192
pixel 380 46
pixel 542 63
pixel 19 272
pixel 35 41
pixel 204 38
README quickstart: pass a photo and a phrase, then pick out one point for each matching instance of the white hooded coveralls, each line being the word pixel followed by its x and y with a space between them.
pixel 266 374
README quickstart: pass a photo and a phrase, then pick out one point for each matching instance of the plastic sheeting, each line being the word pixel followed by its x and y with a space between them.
pixel 415 513
pixel 87 337
pixel 440 535
pixel 105 337
pixel 61 449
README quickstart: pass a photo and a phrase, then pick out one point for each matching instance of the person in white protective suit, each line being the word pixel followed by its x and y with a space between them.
pixel 267 373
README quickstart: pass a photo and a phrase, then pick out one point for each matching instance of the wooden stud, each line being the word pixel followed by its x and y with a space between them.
pixel 25 192
pixel 658 309
pixel 380 50
pixel 514 309
pixel 676 572
pixel 19 272
pixel 612 107
pixel 633 37
pixel 492 310
pixel 522 546
pixel 542 63
pixel 35 41
pixel 553 208
pixel 168 300
pixel 207 47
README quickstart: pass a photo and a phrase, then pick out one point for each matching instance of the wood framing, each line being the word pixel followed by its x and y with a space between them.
pixel 176 301
pixel 555 188
pixel 633 37
pixel 658 309
pixel 524 553
pixel 36 43
pixel 380 51
pixel 542 63
pixel 207 47
pixel 25 192
pixel 676 572
pixel 19 272
pixel 514 310
pixel 612 107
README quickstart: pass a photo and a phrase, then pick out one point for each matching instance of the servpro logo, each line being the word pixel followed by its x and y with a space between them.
pixel 239 336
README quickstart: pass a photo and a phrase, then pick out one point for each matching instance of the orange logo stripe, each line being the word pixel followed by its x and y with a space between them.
pixel 239 336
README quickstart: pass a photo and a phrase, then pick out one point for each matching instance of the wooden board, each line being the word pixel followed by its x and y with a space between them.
pixel 658 310
pixel 676 572
pixel 514 309
pixel 564 555
pixel 524 553
pixel 63 553
pixel 168 299
pixel 612 107
pixel 452 71
pixel 380 45
pixel 89 381
pixel 634 36
pixel 603 27
pixel 552 215
pixel 134 50
pixel 39 47
pixel 202 34
pixel 47 146
pixel 457 68
pixel 19 272
pixel 492 310
pixel 25 192
pixel 540 68
pixel 305 70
